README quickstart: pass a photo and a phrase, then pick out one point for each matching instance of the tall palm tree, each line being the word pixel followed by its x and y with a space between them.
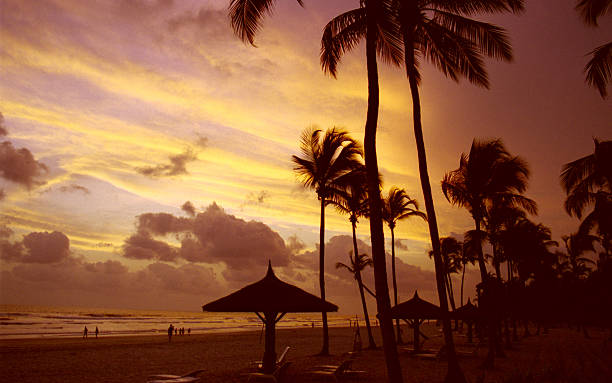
pixel 575 264
pixel 357 265
pixel 351 198
pixel 325 160
pixel 442 32
pixel 371 21
pixel 487 174
pixel 378 30
pixel 588 181
pixel 397 206
pixel 599 68
pixel 469 254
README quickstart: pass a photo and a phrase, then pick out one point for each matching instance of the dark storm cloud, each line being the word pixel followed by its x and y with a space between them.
pixel 188 208
pixel 142 246
pixel 176 167
pixel 37 247
pixel 20 166
pixel 211 236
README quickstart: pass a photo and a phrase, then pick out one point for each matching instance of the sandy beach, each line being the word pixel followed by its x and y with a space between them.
pixel 561 355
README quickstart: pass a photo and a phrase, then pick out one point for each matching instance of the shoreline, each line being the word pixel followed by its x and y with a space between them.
pixel 226 357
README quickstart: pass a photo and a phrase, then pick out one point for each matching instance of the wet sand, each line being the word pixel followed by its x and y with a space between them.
pixel 560 356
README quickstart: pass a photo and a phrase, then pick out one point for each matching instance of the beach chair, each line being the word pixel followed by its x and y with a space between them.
pixel 278 376
pixel 337 373
pixel 279 360
pixel 167 378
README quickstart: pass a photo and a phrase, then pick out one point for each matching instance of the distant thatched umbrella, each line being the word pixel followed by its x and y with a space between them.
pixel 274 298
pixel 414 312
pixel 469 314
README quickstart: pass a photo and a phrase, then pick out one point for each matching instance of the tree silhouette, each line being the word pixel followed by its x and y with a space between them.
pixel 397 206
pixel 351 198
pixel 599 68
pixel 372 21
pixel 324 161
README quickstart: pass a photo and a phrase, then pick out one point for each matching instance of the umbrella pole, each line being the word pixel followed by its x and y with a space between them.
pixel 269 358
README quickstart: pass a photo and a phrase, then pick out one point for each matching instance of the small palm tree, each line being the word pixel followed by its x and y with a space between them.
pixel 397 206
pixel 350 197
pixel 599 68
pixel 576 244
pixel 357 265
pixel 325 160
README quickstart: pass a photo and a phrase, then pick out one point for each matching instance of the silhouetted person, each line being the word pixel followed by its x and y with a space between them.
pixel 85 332
pixel 189 331
pixel 170 332
pixel 97 331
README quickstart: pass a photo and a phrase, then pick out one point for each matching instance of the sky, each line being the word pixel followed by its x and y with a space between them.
pixel 145 156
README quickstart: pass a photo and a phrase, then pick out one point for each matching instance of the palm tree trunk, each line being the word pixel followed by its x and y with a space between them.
pixel 394 371
pixel 481 263
pixel 397 321
pixel 462 280
pixel 454 373
pixel 325 348
pixel 371 342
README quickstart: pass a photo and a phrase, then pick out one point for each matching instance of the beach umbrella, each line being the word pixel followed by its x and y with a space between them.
pixel 414 311
pixel 467 313
pixel 270 298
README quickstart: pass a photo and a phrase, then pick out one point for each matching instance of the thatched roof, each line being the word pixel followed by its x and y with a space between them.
pixel 467 311
pixel 416 308
pixel 270 295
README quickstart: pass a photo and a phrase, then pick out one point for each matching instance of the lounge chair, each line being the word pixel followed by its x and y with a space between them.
pixel 337 373
pixel 166 378
pixel 278 376
pixel 279 360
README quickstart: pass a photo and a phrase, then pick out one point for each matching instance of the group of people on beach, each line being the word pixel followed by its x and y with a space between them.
pixel 85 332
pixel 176 331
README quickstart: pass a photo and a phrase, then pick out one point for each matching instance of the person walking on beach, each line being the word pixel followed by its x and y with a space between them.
pixel 170 332
pixel 97 332
pixel 85 333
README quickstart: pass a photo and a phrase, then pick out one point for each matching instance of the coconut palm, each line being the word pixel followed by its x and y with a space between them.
pixel 451 251
pixel 397 206
pixel 351 198
pixel 574 264
pixel 599 68
pixel 357 265
pixel 324 160
pixel 469 254
pixel 372 21
pixel 486 175
pixel 588 181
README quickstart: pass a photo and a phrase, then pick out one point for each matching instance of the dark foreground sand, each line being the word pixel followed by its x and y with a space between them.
pixel 560 356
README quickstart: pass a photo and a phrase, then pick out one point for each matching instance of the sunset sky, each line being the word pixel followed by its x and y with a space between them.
pixel 120 109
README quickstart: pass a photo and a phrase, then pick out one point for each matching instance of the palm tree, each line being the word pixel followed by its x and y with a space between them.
pixel 486 175
pixel 371 20
pixel 325 160
pixel 451 251
pixel 358 264
pixel 351 198
pixel 469 254
pixel 599 68
pixel 588 181
pixel 441 32
pixel 397 206
pixel 575 264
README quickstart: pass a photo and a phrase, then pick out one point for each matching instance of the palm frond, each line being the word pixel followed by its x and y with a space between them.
pixel 599 68
pixel 490 39
pixel 591 10
pixel 574 172
pixel 246 17
pixel 340 36
pixel 472 7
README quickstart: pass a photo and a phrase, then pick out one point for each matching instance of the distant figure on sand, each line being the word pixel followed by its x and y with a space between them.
pixel 85 332
pixel 189 331
pixel 97 332
pixel 170 332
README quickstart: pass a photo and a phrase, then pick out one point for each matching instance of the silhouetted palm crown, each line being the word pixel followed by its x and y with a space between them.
pixel 325 159
pixel 398 205
pixel 599 69
pixel 350 194
pixel 487 174
pixel 357 264
pixel 246 16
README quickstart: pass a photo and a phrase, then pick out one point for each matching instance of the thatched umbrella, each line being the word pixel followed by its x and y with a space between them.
pixel 270 299
pixel 469 314
pixel 414 312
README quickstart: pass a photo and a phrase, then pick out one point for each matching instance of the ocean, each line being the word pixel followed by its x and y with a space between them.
pixel 17 321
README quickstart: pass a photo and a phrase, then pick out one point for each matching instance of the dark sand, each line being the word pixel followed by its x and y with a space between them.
pixel 560 356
